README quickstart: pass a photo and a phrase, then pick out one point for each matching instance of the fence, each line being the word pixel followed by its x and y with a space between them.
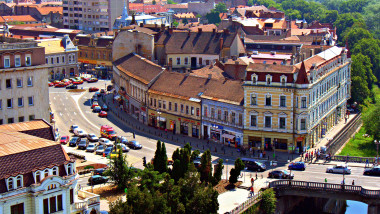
pixel 353 159
pixel 247 204
pixel 325 187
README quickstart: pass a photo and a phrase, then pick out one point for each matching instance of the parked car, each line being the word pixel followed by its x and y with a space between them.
pixel 103 114
pixel 97 93
pixel 94 104
pixel 64 139
pixel 97 109
pixel 339 168
pixel 108 150
pixel 102 91
pixel 134 145
pixel 83 143
pixel 97 179
pixel 93 89
pixel 99 171
pixel 280 174
pixel 104 107
pixel 74 141
pixel 60 85
pixel 72 86
pixel 254 165
pixel 92 80
pixel 105 141
pixel 51 84
pixel 91 147
pixel 297 166
pixel 100 149
pixel 80 133
pixel 73 127
pixel 123 147
pixel 121 139
pixel 372 171
pixel 92 137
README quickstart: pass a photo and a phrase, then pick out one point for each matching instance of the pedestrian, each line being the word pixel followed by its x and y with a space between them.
pixel 325 180
pixel 252 191
pixel 134 135
pixel 264 153
pixel 252 181
pixel 261 155
pixel 366 163
pixel 353 182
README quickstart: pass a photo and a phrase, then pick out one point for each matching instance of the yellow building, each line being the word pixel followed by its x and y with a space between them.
pixel 292 107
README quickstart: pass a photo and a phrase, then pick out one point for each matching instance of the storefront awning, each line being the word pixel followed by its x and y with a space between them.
pixel 228 136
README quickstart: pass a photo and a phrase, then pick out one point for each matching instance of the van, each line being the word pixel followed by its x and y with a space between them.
pixel 107 132
pixel 254 165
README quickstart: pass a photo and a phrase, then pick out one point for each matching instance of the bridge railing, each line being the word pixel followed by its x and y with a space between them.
pixel 245 205
pixel 324 186
pixel 353 159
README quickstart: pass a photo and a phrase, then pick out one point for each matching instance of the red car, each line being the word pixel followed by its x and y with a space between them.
pixel 76 82
pixel 64 139
pixel 86 79
pixel 51 84
pixel 94 104
pixel 92 80
pixel 92 89
pixel 60 85
pixel 102 114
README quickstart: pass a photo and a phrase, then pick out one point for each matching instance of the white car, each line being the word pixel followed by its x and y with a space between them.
pixel 339 168
pixel 80 133
pixel 92 137
pixel 73 127
pixel 91 147
pixel 105 141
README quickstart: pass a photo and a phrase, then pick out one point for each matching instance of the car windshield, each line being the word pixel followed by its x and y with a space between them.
pixel 100 147
pixel 111 132
pixel 108 149
pixel 136 143
pixel 80 131
pixel 91 145
pixel 63 138
pixel 286 172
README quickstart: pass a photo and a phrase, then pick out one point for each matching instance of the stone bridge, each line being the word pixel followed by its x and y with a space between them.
pixel 327 190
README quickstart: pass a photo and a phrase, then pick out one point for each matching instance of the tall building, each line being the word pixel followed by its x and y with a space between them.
pixel 24 93
pixel 91 15
pixel 292 107
pixel 37 175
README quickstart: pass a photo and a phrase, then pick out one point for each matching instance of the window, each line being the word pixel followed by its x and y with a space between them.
pixel 212 113
pixel 63 59
pixel 254 79
pixel 187 109
pixel 19 181
pixel 198 112
pixel 164 104
pixel 233 117
pixel 1 104
pixel 170 106
pixel 155 102
pixel 283 81
pixel 46 173
pixel 253 99
pixel 71 196
pixel 17 61
pixel 47 60
pixel 30 100
pixel 55 171
pixel 268 100
pixel 269 79
pixel 205 111
pixel 52 60
pixel 30 81
pixel 7 62
pixel 219 114
pixel 282 101
pixel 186 60
pixel 17 209
pixel 10 184
pixel 303 102
pixel 8 83
pixel 175 107
pixel 225 116
pixel 69 169
pixel 240 119
pixel 38 176
pixel 28 60
pixel 19 82
pixel 31 117
pixel 9 103
pixel 178 60
pixel 53 205
pixel 282 122
pixel 20 102
pixel 192 110
pixel 21 119
pixel 46 206
pixel 10 120
pixel 58 59
pixel 296 102
pixel 159 103
pixel 1 122
pixel 253 120
pixel 268 121
pixel 303 124
pixel 151 102
pixel 182 108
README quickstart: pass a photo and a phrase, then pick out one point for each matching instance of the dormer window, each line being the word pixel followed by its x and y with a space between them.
pixel 46 173
pixel 70 169
pixel 283 80
pixel 19 181
pixel 38 177
pixel 10 184
pixel 254 78
pixel 55 171
pixel 268 79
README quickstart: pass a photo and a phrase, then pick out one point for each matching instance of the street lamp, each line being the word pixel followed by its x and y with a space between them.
pixel 226 169
pixel 377 149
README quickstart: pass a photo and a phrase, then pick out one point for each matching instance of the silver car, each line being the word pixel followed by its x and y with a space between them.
pixel 91 147
pixel 339 168
pixel 92 137
pixel 100 149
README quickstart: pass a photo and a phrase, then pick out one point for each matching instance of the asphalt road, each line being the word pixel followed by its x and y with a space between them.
pixel 74 108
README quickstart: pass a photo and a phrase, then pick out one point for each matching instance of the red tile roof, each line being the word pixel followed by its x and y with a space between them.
pixel 302 75
pixel 147 8
pixel 18 18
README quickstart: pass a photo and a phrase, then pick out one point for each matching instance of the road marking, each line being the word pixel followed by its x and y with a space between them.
pixel 76 99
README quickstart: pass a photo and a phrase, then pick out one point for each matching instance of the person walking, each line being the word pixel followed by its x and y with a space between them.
pixel 252 191
pixel 366 163
pixel 353 182
pixel 252 181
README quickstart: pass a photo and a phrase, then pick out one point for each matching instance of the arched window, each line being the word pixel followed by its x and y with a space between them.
pixel 254 80
pixel 55 171
pixel 38 177
pixel 46 173
pixel 19 181
pixel 69 169
pixel 283 82
pixel 10 183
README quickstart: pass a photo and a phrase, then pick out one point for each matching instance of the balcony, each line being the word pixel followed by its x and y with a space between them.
pixel 86 202
pixel 222 122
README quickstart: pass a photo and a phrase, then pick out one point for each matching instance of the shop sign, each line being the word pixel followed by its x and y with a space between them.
pixel 187 120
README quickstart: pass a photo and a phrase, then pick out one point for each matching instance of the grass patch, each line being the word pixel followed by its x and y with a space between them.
pixel 109 193
pixel 359 145
pixel 224 186
pixel 76 90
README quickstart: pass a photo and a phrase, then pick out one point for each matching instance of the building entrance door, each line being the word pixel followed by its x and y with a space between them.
pixel 193 62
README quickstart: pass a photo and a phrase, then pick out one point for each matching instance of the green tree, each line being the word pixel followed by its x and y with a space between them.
pixel 218 171
pixel 171 2
pixel 268 201
pixel 119 172
pixel 213 17
pixel 372 18
pixel 370 48
pixel 356 34
pixel 235 172
pixel 372 122
pixel 206 167
pixel 164 158
pixel 160 160
pixel 221 8
pixel 154 2
pixel 362 67
pixel 346 21
pixel 175 23
pixel 157 157
pixel 359 90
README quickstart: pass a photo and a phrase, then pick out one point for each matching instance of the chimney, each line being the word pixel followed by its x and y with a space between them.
pixel 213 30
pixel 311 52
pixel 221 44
pixel 141 24
pixel 199 30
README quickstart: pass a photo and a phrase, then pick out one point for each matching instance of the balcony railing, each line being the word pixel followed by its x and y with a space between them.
pixel 86 200
pixel 215 120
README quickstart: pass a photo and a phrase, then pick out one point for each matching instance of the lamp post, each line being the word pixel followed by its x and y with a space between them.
pixel 226 169
pixel 377 150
